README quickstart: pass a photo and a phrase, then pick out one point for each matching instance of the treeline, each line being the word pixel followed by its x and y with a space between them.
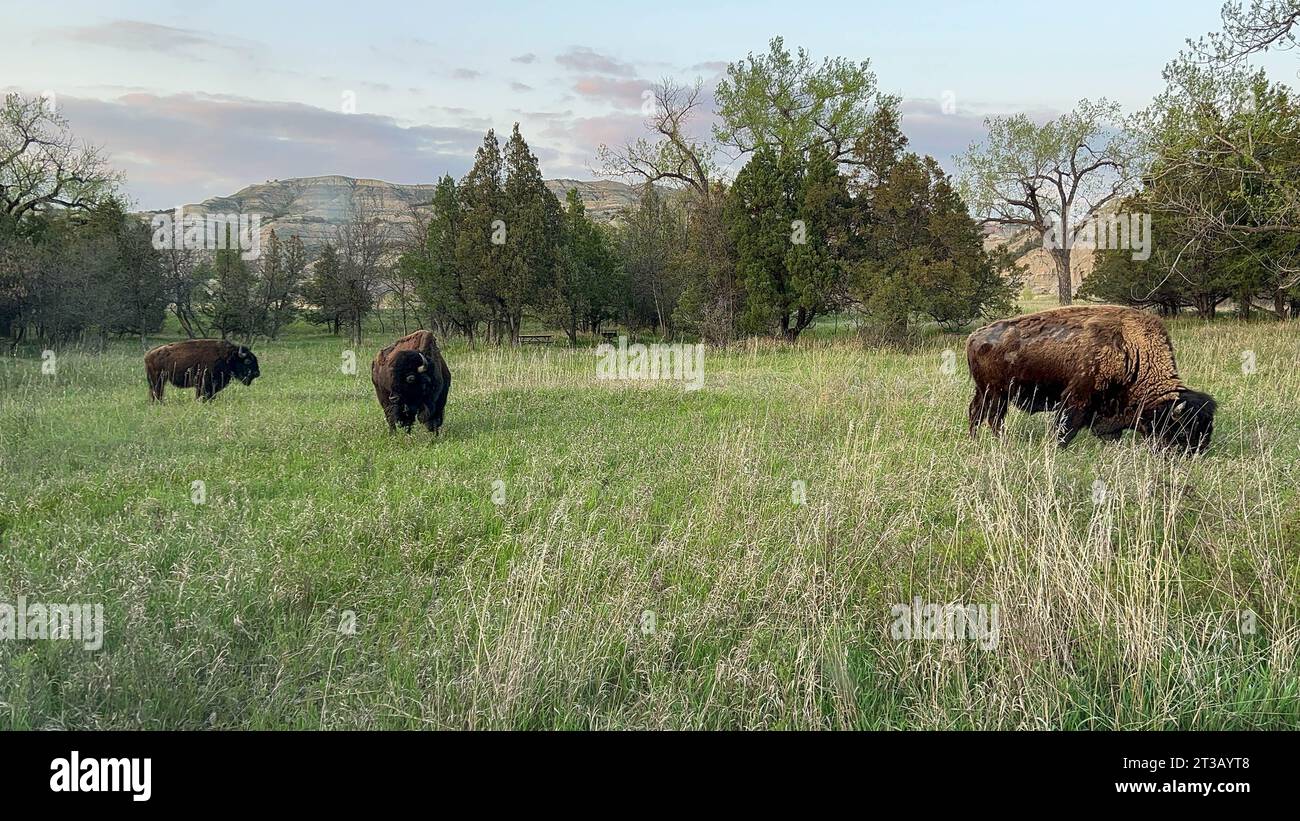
pixel 830 214
pixel 1221 194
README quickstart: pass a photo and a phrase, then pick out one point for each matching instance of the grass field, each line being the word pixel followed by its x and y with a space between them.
pixel 647 565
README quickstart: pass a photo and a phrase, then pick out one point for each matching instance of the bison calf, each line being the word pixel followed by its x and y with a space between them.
pixel 1106 368
pixel 207 365
pixel 411 382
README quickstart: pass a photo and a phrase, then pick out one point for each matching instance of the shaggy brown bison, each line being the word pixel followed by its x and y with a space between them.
pixel 207 365
pixel 411 381
pixel 1106 368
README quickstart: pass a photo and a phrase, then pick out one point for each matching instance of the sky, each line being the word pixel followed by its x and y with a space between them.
pixel 192 100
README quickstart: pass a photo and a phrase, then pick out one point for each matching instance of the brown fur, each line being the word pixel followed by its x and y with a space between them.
pixel 1107 368
pixel 388 385
pixel 207 365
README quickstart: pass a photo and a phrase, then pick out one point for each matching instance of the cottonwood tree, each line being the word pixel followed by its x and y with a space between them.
pixel 1051 178
pixel 1226 143
pixel 43 165
pixel 789 103
pixel 1224 147
pixel 1263 25
pixel 673 155
pixel 181 281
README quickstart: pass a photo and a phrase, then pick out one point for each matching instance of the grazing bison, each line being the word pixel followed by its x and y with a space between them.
pixel 411 381
pixel 1106 368
pixel 207 365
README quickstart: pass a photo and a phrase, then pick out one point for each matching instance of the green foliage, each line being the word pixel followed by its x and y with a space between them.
pixel 788 103
pixel 588 285
pixel 650 244
pixel 921 253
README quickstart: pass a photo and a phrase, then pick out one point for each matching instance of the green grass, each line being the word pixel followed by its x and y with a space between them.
pixel 623 498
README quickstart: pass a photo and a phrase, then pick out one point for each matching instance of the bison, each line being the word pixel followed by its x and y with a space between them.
pixel 1106 368
pixel 411 382
pixel 207 365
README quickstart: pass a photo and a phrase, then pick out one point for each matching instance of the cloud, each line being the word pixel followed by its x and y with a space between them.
pixel 941 134
pixel 711 66
pixel 517 86
pixel 524 58
pixel 137 36
pixel 583 59
pixel 182 148
pixel 466 74
pixel 591 132
pixel 622 93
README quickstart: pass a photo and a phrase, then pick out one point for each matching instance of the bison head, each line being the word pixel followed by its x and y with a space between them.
pixel 1187 422
pixel 243 363
pixel 412 374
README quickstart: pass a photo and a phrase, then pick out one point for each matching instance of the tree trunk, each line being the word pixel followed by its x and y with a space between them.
pixel 1064 282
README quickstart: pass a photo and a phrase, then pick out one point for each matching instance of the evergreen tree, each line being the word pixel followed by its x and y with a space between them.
pixel 534 225
pixel 481 261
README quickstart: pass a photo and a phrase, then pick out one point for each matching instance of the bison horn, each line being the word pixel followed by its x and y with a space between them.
pixel 1180 407
pixel 422 368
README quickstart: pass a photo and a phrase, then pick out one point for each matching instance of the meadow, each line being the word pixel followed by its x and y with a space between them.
pixel 579 553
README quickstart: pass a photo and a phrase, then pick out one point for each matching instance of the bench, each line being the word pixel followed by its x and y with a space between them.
pixel 609 336
pixel 535 339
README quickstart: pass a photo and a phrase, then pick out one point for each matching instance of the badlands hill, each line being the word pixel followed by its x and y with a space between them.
pixel 313 207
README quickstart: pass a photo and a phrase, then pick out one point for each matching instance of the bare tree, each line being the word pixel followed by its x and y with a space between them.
pixel 672 156
pixel 42 164
pixel 362 244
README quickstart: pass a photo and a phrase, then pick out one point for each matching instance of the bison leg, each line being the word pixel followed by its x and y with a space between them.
pixel 440 403
pixel 989 406
pixel 156 384
pixel 1068 423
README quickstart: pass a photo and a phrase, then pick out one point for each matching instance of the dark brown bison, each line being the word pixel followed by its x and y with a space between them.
pixel 207 365
pixel 1106 368
pixel 411 381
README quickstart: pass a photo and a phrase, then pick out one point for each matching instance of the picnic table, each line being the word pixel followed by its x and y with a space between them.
pixel 535 339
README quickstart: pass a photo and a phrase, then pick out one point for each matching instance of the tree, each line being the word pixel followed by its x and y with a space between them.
pixel 231 305
pixel 817 264
pixel 181 281
pixel 650 243
pixel 481 260
pixel 42 165
pixel 327 291
pixel 361 244
pixel 280 271
pixel 588 283
pixel 1051 178
pixel 920 251
pixel 675 157
pixel 533 226
pixel 134 289
pixel 788 103
pixel 442 286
